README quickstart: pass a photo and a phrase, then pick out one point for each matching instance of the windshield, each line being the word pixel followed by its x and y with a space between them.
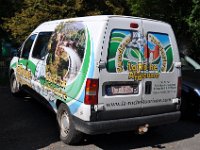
pixel 188 63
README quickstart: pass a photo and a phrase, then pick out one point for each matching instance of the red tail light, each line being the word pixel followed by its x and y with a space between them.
pixel 134 25
pixel 91 91
pixel 179 87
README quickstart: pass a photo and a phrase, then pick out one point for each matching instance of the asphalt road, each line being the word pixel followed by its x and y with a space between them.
pixel 26 124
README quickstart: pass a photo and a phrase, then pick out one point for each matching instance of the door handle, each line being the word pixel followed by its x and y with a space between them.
pixel 148 87
pixel 177 64
pixel 102 65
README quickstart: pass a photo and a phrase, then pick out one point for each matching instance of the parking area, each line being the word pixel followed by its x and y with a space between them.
pixel 26 124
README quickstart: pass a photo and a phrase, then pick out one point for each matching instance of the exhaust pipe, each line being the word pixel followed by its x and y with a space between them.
pixel 143 129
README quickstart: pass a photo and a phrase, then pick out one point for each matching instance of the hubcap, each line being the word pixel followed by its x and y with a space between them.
pixel 64 124
pixel 14 86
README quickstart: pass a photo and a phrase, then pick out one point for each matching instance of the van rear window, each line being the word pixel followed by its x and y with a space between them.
pixel 124 46
pixel 128 49
pixel 160 50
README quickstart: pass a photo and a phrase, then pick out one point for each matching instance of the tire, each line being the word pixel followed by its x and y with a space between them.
pixel 14 86
pixel 68 133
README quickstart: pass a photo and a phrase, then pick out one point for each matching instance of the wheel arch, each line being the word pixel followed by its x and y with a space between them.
pixel 58 102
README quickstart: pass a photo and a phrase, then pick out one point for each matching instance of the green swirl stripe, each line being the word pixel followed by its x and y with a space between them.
pixel 112 49
pixel 111 66
pixel 135 53
pixel 169 55
pixel 118 34
pixel 30 65
pixel 116 39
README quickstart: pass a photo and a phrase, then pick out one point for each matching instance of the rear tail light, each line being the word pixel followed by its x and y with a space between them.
pixel 134 25
pixel 179 87
pixel 91 91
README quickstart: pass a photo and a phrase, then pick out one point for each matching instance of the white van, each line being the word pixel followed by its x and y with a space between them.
pixel 101 74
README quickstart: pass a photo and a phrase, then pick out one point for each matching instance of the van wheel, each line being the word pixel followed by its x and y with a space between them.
pixel 14 85
pixel 68 133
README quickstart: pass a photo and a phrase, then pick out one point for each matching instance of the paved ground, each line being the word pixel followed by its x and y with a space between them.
pixel 26 124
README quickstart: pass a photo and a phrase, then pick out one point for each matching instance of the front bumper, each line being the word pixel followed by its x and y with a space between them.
pixel 126 124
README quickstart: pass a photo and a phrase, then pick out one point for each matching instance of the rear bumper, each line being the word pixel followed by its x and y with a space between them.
pixel 126 124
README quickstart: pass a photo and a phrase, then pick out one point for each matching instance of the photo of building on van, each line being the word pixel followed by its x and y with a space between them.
pixel 66 50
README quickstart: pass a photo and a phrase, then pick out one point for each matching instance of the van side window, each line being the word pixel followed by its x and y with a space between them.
pixel 27 46
pixel 40 48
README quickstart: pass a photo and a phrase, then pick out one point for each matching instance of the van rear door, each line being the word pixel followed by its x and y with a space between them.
pixel 160 92
pixel 119 96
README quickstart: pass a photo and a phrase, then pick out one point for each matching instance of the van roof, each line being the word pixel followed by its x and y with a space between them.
pixel 51 25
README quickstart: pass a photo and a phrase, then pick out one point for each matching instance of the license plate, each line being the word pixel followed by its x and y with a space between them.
pixel 117 90
pixel 121 90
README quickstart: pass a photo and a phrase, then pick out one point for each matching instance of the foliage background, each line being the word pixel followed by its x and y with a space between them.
pixel 19 18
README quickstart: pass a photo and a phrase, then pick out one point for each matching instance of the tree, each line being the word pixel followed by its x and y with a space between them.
pixel 32 14
pixel 35 12
pixel 25 15
pixel 194 23
pixel 174 12
pixel 7 9
pixel 106 7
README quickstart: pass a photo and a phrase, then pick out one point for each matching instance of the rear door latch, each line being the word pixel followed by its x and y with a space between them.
pixel 148 87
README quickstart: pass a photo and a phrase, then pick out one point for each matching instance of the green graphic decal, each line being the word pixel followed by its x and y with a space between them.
pixel 123 49
pixel 14 65
pixel 32 67
pixel 160 49
pixel 28 64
